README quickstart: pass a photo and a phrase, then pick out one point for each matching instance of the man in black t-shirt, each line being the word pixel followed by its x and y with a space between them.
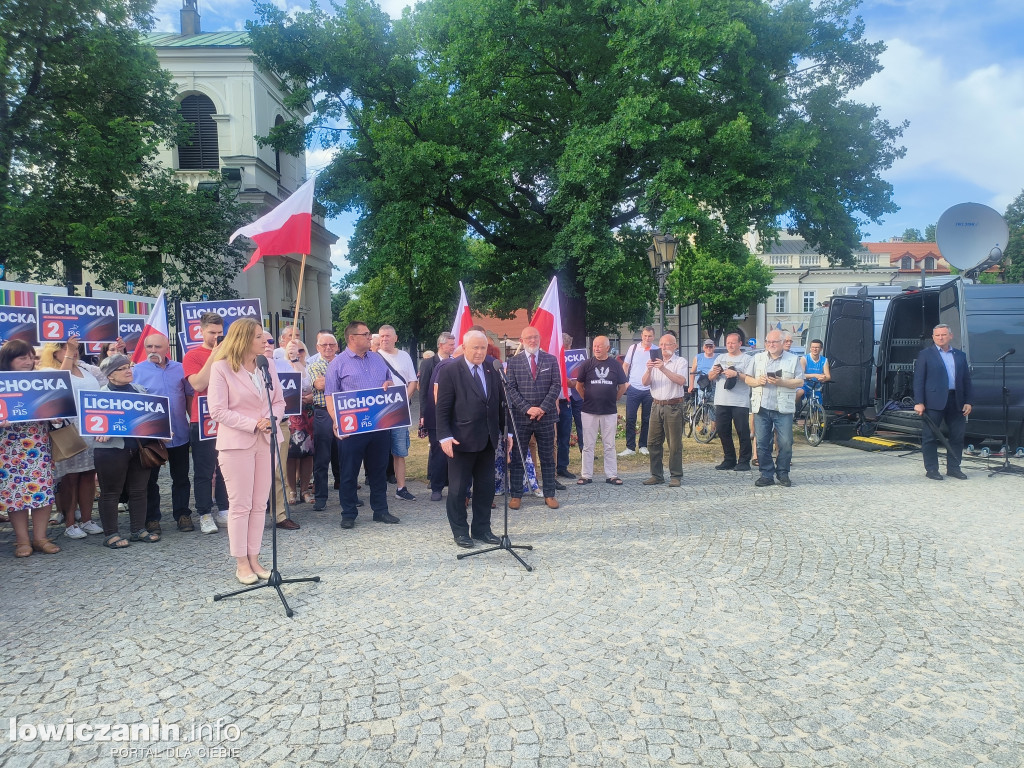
pixel 601 381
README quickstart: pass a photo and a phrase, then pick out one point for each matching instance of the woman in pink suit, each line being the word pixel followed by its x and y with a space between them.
pixel 238 403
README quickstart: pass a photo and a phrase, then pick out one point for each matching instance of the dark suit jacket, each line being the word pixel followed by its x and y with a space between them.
pixel 524 392
pixel 463 412
pixel 931 382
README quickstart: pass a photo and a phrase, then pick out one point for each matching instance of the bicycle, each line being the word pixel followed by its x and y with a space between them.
pixel 813 413
pixel 703 421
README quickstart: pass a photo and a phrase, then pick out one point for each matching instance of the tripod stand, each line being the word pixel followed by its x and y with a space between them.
pixel 506 542
pixel 1006 468
pixel 275 579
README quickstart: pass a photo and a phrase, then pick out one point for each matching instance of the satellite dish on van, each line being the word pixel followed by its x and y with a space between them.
pixel 971 236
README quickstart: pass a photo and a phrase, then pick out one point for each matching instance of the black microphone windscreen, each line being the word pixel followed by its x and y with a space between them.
pixel 261 361
pixel 498 367
pixel 1011 351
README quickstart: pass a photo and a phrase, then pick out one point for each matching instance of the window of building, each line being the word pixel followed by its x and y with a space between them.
pixel 906 263
pixel 200 151
pixel 277 152
pixel 780 301
pixel 929 263
pixel 809 301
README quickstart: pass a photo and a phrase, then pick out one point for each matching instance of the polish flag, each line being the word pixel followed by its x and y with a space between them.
pixel 284 230
pixel 463 317
pixel 157 323
pixel 548 320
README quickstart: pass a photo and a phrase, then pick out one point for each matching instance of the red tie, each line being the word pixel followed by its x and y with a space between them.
pixel 533 366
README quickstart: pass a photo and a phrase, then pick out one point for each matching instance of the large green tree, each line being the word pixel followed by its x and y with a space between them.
pixel 546 127
pixel 84 108
pixel 1013 254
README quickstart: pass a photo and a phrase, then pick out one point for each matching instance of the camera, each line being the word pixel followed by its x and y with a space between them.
pixel 776 374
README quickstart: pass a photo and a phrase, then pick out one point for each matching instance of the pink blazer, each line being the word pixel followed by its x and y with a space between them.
pixel 236 406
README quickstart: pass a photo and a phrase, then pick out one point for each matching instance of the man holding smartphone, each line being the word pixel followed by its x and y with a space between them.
pixel 773 381
pixel 666 375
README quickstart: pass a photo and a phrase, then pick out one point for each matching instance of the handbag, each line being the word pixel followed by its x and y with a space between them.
pixel 65 442
pixel 152 453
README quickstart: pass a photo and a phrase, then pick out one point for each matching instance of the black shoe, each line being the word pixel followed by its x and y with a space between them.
pixel 392 480
pixel 465 542
pixel 566 474
pixel 384 517
pixel 348 522
pixel 726 465
pixel 403 493
pixel 487 538
pixel 743 466
pixel 762 481
pixel 320 506
pixel 559 486
pixel 956 473
pixel 784 480
pixel 933 475
pixel 435 495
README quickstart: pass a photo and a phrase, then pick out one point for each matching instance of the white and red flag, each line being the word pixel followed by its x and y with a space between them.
pixel 548 320
pixel 157 323
pixel 463 317
pixel 286 229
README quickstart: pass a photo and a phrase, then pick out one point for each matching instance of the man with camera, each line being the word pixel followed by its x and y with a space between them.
pixel 774 378
pixel 667 376
pixel 732 403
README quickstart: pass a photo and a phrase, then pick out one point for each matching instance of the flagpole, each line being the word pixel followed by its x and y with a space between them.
pixel 298 296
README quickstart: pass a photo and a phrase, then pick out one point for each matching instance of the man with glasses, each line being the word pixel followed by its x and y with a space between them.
pixel 325 447
pixel 666 376
pixel 774 378
pixel 638 396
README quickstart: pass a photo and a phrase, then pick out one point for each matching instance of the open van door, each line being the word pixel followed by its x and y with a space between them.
pixel 849 347
pixel 951 299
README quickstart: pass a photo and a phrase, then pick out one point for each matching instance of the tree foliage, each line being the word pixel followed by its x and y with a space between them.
pixel 912 235
pixel 84 108
pixel 1013 254
pixel 556 131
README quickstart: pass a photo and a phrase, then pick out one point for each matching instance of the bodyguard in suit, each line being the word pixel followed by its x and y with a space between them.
pixel 942 391
pixel 467 414
pixel 534 386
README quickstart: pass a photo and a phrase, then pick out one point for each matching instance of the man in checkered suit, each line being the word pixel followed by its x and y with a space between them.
pixel 534 386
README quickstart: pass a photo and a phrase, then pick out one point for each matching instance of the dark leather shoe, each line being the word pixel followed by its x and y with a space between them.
pixel 743 466
pixel 288 525
pixel 559 486
pixel 348 522
pixel 514 503
pixel 384 517
pixel 465 542
pixel 762 481
pixel 726 465
pixel 566 474
pixel 320 506
pixel 933 475
pixel 551 501
pixel 435 495
pixel 959 475
pixel 784 480
pixel 487 538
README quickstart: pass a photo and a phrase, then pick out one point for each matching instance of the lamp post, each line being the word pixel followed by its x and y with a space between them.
pixel 661 255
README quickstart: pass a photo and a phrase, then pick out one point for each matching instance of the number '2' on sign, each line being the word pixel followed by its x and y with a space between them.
pixel 53 329
pixel 96 424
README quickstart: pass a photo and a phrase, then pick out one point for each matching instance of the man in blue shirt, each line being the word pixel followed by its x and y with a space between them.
pixel 162 376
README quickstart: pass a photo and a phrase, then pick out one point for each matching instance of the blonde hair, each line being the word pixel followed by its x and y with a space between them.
pixel 46 358
pixel 238 341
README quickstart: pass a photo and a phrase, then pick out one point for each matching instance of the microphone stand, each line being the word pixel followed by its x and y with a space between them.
pixel 1006 468
pixel 275 579
pixel 505 543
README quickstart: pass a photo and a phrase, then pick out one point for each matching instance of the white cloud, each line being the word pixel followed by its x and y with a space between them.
pixel 318 159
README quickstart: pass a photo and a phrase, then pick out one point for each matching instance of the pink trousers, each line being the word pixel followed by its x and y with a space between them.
pixel 247 477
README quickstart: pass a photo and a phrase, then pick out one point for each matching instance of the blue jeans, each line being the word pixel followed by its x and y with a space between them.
pixel 637 399
pixel 768 424
pixel 567 412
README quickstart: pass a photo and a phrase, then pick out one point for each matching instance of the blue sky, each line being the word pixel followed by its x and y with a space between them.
pixel 954 69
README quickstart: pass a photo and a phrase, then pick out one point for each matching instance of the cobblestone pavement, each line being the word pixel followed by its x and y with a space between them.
pixel 864 617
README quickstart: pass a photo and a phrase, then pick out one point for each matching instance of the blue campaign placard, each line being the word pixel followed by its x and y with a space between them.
pixel 130 330
pixel 61 317
pixel 371 410
pixel 291 384
pixel 229 309
pixel 123 414
pixel 36 396
pixel 207 426
pixel 574 358
pixel 19 323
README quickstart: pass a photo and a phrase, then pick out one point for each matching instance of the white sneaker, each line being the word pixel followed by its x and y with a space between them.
pixel 221 519
pixel 645 452
pixel 91 527
pixel 539 493
pixel 207 524
pixel 122 507
pixel 74 532
pixel 627 452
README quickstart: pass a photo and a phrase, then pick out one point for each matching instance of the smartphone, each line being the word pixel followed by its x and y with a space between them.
pixel 776 374
pixel 655 354
pixel 220 339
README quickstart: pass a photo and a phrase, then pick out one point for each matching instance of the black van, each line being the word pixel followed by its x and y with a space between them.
pixel 986 320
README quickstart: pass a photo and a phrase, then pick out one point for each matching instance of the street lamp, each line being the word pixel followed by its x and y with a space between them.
pixel 661 255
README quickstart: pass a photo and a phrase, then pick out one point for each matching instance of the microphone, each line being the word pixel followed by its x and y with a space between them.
pixel 500 369
pixel 264 365
pixel 1006 354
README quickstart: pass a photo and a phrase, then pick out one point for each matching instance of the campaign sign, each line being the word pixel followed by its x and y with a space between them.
pixel 92 348
pixel 207 426
pixel 18 323
pixel 123 414
pixel 61 317
pixel 186 344
pixel 574 358
pixel 229 309
pixel 36 395
pixel 291 384
pixel 371 410
pixel 130 329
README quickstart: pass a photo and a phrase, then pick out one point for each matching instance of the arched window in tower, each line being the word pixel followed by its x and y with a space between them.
pixel 200 151
pixel 277 152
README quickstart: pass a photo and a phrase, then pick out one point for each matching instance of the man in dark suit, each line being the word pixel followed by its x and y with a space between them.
pixel 468 415
pixel 534 386
pixel 942 392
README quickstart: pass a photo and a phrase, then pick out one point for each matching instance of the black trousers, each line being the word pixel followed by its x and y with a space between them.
pixel 115 469
pixel 324 449
pixel 371 449
pixel 476 468
pixel 204 469
pixel 727 417
pixel 181 485
pixel 957 425
pixel 437 463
